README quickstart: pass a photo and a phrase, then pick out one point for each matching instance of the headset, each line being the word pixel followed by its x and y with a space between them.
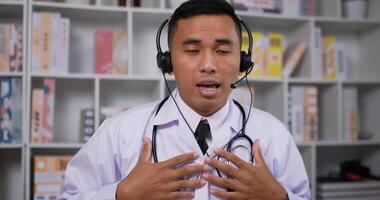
pixel 165 64
pixel 246 65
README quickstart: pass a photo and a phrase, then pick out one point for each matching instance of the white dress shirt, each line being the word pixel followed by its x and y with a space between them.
pixel 215 120
pixel 113 151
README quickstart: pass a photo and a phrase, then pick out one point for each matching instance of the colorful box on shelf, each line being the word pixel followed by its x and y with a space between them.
pixel 11 110
pixel 294 57
pixel 111 51
pixel 10 48
pixel 303 112
pixel 330 57
pixel 49 174
pixel 51 43
pixel 267 53
pixel 350 113
pixel 43 101
pixel 87 124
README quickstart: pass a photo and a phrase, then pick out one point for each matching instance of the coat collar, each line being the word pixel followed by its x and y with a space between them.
pixel 169 114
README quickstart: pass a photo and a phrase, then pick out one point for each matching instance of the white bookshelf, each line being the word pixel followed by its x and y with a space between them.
pixel 82 88
pixel 12 156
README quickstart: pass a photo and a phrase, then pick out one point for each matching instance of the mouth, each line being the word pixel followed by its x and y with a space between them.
pixel 208 86
pixel 208 89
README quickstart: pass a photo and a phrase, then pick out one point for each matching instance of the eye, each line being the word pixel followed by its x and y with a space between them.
pixel 192 51
pixel 223 51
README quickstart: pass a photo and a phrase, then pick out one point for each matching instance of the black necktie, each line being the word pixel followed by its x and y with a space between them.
pixel 203 130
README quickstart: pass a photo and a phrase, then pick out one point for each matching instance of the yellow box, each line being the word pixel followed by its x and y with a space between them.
pixel 274 61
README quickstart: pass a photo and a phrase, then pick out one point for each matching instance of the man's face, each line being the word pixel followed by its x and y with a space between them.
pixel 205 53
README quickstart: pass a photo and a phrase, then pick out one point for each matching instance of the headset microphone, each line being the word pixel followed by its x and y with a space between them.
pixel 235 84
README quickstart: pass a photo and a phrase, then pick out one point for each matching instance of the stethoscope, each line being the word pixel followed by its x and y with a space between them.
pixel 228 147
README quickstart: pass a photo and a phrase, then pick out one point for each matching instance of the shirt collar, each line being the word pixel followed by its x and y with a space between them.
pixel 226 114
pixel 189 114
pixel 215 120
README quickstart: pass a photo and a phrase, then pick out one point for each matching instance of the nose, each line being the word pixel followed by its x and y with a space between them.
pixel 208 64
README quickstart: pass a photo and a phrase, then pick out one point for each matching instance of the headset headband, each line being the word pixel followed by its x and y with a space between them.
pixel 164 59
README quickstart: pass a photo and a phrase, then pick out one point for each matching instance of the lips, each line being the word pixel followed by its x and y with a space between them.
pixel 208 88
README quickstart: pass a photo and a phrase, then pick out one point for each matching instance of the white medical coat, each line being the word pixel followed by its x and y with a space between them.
pixel 109 156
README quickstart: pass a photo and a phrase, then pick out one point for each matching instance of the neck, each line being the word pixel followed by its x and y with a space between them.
pixel 204 111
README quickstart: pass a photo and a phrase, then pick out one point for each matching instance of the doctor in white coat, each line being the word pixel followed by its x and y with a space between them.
pixel 205 58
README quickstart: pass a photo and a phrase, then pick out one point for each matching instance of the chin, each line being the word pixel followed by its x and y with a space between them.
pixel 210 106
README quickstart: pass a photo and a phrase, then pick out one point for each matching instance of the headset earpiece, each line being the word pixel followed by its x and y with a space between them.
pixel 245 62
pixel 164 62
pixel 163 58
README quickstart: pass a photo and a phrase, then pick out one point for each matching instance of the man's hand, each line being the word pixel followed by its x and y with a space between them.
pixel 248 181
pixel 163 180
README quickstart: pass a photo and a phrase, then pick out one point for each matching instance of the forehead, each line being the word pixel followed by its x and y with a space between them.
pixel 207 27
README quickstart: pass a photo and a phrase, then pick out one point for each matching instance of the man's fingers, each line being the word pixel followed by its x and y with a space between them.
pixel 226 195
pixel 185 184
pixel 223 182
pixel 259 159
pixel 147 150
pixel 227 169
pixel 232 157
pixel 180 195
pixel 181 159
pixel 190 170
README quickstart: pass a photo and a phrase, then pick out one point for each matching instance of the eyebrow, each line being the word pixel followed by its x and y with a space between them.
pixel 198 41
pixel 224 41
pixel 191 41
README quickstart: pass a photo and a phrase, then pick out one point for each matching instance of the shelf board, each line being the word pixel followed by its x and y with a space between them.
pixel 151 10
pixel 311 81
pixel 63 76
pixel 272 16
pixel 98 76
pixel 337 143
pixel 128 77
pixel 12 74
pixel 345 25
pixel 361 82
pixel 347 143
pixel 11 3
pixel 305 144
pixel 57 146
pixel 265 80
pixel 11 146
pixel 346 20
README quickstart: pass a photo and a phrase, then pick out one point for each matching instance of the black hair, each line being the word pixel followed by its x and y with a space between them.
pixel 193 8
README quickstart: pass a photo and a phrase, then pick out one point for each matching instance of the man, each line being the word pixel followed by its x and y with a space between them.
pixel 204 42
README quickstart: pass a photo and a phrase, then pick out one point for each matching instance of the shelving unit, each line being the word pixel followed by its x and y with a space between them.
pixel 12 156
pixel 82 88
